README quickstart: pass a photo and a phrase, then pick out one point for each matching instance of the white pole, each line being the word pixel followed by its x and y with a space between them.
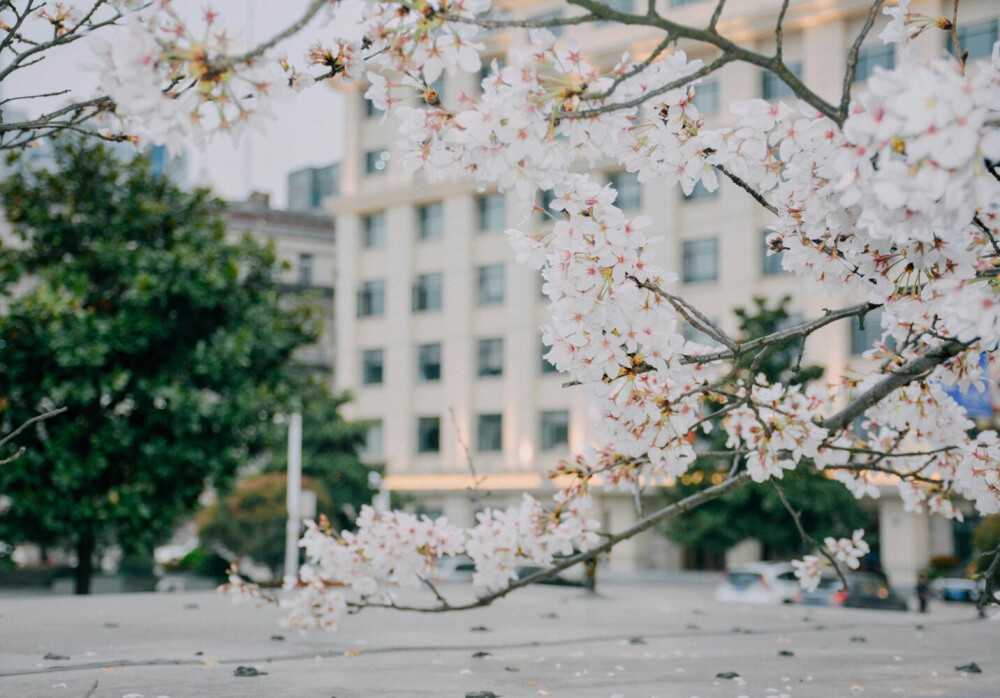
pixel 293 527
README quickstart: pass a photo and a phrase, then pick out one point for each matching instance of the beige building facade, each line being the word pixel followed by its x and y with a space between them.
pixel 439 327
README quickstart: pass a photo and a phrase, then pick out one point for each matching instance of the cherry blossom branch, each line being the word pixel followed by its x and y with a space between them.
pixel 747 188
pixel 852 63
pixel 778 31
pixel 296 26
pixel 731 50
pixel 872 467
pixel 910 371
pixel 809 540
pixel 691 314
pixel 639 101
pixel 977 221
pixel 959 53
pixel 68 37
pixel 716 13
pixel 802 330
pixel 663 514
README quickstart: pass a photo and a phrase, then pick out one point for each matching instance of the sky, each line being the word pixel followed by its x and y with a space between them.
pixel 308 131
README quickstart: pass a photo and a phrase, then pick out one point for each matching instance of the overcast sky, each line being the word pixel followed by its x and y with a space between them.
pixel 308 130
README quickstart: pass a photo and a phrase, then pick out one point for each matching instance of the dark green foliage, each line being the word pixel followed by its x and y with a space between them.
pixel 756 511
pixel 167 346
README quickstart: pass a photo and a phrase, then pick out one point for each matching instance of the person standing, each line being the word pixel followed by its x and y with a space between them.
pixel 923 591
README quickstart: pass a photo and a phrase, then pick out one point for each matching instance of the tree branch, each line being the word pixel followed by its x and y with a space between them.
pixel 852 63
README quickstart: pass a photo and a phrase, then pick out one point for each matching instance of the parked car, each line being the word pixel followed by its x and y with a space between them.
pixel 759 582
pixel 864 590
pixel 957 589
pixel 454 568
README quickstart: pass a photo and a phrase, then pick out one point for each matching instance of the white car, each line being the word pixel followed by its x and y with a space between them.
pixel 759 582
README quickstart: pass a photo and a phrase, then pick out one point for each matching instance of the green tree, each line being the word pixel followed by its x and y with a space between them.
pixel 756 511
pixel 251 520
pixel 167 346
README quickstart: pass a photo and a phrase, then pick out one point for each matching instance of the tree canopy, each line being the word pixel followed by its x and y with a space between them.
pixel 167 346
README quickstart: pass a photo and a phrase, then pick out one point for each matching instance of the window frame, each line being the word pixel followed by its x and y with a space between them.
pixel 368 366
pixel 689 255
pixel 493 423
pixel 490 289
pixel 426 296
pixel 424 362
pixel 488 350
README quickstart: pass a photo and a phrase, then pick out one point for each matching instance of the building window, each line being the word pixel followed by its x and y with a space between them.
pixel 490 211
pixel 305 269
pixel 376 161
pixel 489 432
pixel 490 357
pixel 864 338
pixel 554 430
pixel 773 86
pixel 373 226
pixel 629 190
pixel 547 366
pixel 700 191
pixel 491 285
pixel 428 434
pixel 427 292
pixel 706 98
pixel 431 220
pixel 372 362
pixel 977 39
pixel 772 262
pixel 371 299
pixel 701 260
pixel 371 449
pixel 429 363
pixel 874 57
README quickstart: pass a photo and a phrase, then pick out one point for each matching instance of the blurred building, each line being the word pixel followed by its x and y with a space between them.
pixel 440 327
pixel 304 243
pixel 308 187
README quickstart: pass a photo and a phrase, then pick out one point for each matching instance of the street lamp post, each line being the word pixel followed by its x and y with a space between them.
pixel 293 527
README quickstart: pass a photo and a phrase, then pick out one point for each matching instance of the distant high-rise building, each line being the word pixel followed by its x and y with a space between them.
pixel 309 186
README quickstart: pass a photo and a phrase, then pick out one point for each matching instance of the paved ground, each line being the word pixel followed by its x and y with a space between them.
pixel 631 641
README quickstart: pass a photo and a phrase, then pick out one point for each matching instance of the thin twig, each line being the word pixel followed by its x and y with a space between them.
pixel 33 420
pixel 954 37
pixel 477 479
pixel 716 13
pixel 747 188
pixel 852 62
pixel 797 518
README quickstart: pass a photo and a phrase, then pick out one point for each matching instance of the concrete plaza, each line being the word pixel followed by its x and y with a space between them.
pixel 629 641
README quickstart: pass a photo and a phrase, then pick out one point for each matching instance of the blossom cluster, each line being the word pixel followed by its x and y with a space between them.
pixel 849 551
